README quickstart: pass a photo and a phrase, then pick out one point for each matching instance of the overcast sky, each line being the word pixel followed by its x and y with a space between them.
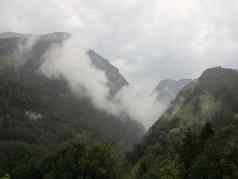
pixel 148 40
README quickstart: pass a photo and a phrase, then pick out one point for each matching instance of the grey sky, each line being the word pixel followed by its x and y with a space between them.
pixel 148 40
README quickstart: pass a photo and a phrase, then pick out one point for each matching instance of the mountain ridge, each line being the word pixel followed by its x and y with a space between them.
pixel 10 41
pixel 41 113
pixel 197 132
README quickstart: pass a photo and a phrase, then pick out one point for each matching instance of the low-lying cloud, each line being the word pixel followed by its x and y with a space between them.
pixel 72 62
pixel 147 40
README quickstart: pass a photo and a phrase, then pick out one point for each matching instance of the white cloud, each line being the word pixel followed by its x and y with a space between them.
pixel 147 40
pixel 71 62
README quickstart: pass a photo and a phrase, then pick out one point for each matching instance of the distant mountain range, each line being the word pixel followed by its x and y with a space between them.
pixel 167 90
pixel 202 100
pixel 6 35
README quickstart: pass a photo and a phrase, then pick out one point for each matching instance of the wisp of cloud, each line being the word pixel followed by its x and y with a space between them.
pixel 72 62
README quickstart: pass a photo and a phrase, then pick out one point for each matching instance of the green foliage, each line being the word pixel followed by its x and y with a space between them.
pixel 212 154
pixel 5 177
pixel 70 161
pixel 18 159
pixel 154 167
pixel 103 162
pixel 197 138
pixel 79 160
pixel 63 115
pixel 6 61
pixel 171 169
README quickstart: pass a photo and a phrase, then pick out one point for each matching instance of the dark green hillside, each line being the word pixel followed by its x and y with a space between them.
pixel 197 137
pixel 48 132
pixel 38 110
pixel 39 116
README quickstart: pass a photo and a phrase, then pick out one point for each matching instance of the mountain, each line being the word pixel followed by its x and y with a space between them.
pixel 202 100
pixel 49 102
pixel 197 136
pixel 30 49
pixel 13 35
pixel 115 80
pixel 168 89
pixel 40 116
pixel 27 49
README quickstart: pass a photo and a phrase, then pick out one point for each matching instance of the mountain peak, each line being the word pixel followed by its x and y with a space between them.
pixel 35 57
pixel 215 80
pixel 48 36
pixel 56 36
pixel 168 89
pixel 115 79
pixel 214 93
pixel 217 72
pixel 103 63
pixel 4 35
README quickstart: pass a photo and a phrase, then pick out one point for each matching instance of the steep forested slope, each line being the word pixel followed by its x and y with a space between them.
pixel 41 116
pixel 29 50
pixel 167 90
pixel 197 137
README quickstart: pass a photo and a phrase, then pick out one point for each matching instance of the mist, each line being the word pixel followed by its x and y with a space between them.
pixel 147 41
pixel 71 62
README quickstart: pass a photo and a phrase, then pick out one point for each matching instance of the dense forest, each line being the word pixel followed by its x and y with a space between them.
pixel 197 137
pixel 44 125
pixel 48 132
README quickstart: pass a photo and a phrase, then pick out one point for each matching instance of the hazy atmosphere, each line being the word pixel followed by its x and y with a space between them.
pixel 118 89
pixel 147 41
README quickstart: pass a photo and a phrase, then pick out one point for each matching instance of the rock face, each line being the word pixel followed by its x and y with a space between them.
pixel 212 98
pixel 41 111
pixel 6 35
pixel 115 80
pixel 168 89
pixel 11 43
pixel 198 131
pixel 213 94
